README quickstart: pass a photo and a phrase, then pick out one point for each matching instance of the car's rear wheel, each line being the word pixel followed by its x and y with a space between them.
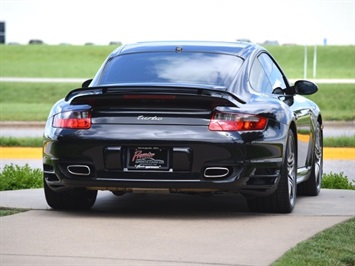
pixel 77 199
pixel 283 200
pixel 312 186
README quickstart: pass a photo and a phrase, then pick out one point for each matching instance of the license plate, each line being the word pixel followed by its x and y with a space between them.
pixel 148 158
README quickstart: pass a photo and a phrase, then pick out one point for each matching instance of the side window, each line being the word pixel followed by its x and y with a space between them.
pixel 272 71
pixel 258 78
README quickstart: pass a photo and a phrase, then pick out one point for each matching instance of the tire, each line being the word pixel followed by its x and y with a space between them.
pixel 312 186
pixel 76 199
pixel 283 200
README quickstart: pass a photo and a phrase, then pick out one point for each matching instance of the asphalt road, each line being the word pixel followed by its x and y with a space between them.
pixel 165 229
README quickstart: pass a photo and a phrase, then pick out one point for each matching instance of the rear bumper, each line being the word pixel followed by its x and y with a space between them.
pixel 255 177
pixel 216 161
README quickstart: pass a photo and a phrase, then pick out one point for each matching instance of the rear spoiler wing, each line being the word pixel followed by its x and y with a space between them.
pixel 154 89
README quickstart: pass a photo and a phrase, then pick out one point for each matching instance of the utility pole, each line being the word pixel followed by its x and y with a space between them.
pixel 315 61
pixel 305 63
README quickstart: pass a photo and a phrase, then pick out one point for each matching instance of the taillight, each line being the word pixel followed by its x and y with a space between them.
pixel 73 119
pixel 236 122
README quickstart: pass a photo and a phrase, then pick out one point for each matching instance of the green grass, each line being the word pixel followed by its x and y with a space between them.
pixel 334 246
pixel 24 112
pixel 332 61
pixel 21 142
pixel 30 101
pixel 84 61
pixel 12 92
pixel 7 211
pixel 336 101
pixel 52 60
pixel 341 141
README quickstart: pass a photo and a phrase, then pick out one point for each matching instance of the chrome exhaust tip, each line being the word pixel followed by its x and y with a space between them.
pixel 216 172
pixel 79 169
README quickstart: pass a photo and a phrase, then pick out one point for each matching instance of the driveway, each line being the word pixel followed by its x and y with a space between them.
pixel 151 229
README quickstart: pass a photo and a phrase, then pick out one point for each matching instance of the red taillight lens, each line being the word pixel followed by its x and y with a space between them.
pixel 236 122
pixel 73 119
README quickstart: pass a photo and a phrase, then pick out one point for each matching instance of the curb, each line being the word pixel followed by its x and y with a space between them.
pixel 36 153
pixel 22 124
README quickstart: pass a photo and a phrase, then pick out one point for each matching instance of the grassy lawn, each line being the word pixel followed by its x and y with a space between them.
pixel 332 61
pixel 30 101
pixel 334 246
pixel 336 101
pixel 84 61
pixel 56 61
pixel 24 111
pixel 13 92
pixel 21 142
pixel 341 141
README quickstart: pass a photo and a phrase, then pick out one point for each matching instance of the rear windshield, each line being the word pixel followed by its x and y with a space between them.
pixel 181 68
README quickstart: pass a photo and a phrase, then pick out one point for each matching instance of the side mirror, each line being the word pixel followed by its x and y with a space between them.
pixel 86 83
pixel 305 87
pixel 302 87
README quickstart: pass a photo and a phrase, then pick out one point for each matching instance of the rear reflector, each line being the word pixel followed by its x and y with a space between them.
pixel 236 122
pixel 73 119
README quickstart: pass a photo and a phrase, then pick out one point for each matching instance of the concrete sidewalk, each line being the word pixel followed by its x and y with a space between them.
pixel 158 230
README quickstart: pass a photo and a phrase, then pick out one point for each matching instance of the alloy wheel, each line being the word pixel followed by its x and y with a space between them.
pixel 291 171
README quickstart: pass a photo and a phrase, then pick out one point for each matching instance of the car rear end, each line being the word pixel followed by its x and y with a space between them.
pixel 175 139
pixel 163 121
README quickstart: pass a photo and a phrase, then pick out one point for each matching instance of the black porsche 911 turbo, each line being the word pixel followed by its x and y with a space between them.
pixel 185 117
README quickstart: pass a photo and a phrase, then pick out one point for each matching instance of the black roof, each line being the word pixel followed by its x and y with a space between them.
pixel 241 49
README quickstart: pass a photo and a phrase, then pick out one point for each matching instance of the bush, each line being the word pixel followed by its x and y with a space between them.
pixel 14 177
pixel 336 181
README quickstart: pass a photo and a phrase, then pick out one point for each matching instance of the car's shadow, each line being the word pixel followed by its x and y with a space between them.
pixel 167 206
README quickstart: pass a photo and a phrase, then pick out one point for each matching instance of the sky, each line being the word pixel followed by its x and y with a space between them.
pixel 303 22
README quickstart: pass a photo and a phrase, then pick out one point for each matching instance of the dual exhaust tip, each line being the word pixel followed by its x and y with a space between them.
pixel 210 172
